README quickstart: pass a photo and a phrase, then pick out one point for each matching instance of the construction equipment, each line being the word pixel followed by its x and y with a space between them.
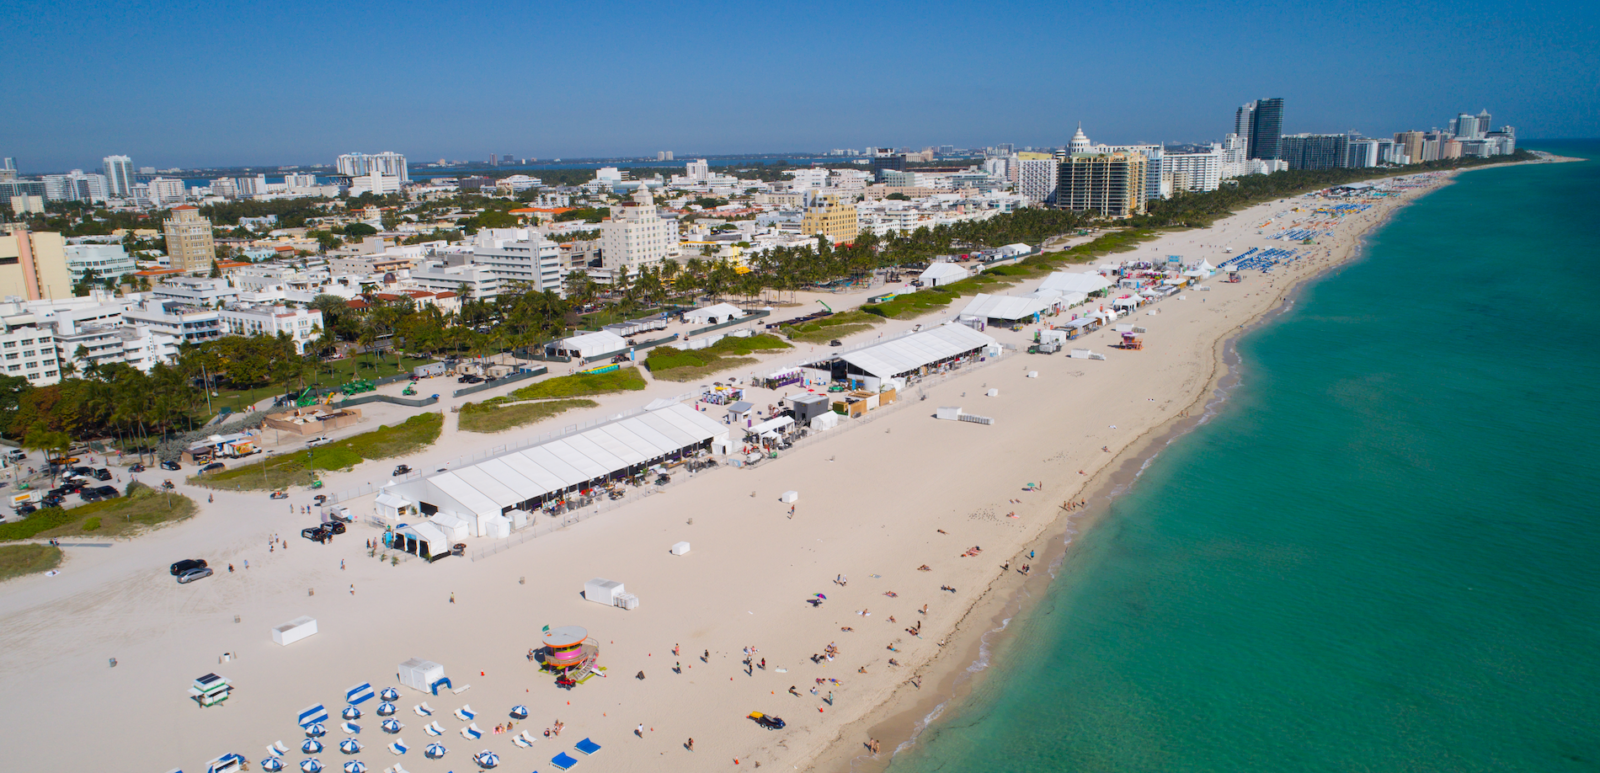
pixel 826 306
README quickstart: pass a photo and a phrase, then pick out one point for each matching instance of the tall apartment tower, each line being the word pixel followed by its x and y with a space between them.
pixel 1111 184
pixel 388 164
pixel 119 176
pixel 637 236
pixel 189 242
pixel 1266 129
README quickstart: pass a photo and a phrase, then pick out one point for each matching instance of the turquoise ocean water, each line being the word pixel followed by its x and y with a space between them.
pixel 1382 555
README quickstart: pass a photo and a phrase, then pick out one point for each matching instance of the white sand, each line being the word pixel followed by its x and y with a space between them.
pixel 872 500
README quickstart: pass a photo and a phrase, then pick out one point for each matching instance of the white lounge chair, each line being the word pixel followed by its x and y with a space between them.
pixel 349 728
pixel 398 747
pixel 471 732
pixel 522 739
pixel 433 728
pixel 277 749
pixel 461 689
pixel 466 714
pixel 423 709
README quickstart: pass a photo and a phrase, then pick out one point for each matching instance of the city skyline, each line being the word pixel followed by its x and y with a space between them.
pixel 278 107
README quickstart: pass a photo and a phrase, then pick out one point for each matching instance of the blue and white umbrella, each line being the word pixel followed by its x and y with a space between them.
pixel 487 759
pixel 389 694
pixel 312 765
pixel 391 726
pixel 519 712
pixel 355 766
pixel 311 746
pixel 385 709
pixel 434 751
pixel 350 746
pixel 272 764
pixel 316 730
pixel 350 712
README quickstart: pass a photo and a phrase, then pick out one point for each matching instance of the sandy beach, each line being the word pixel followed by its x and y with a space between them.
pixel 879 500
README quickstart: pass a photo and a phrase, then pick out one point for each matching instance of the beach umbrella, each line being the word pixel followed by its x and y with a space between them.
pixel 311 746
pixel 312 765
pixel 355 766
pixel 316 730
pixel 434 751
pixel 351 712
pixel 389 695
pixel 487 759
pixel 350 746
pixel 272 764
pixel 385 709
pixel 820 596
pixel 391 726
pixel 519 712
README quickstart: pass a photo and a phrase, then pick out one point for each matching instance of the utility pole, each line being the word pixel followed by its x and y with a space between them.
pixel 207 379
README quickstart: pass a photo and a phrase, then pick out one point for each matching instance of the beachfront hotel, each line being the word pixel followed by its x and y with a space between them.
pixel 1111 184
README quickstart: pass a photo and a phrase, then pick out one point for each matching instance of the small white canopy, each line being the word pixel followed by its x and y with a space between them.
pixel 711 315
pixel 1126 302
pixel 770 426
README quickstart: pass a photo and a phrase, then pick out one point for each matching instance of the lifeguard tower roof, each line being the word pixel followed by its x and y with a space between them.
pixel 565 636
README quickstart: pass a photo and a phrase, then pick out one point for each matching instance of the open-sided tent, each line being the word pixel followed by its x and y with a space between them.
pixel 909 355
pixel 1004 308
pixel 421 539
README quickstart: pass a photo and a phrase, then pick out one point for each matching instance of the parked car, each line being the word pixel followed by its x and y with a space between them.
pixel 102 474
pixel 89 495
pixel 67 488
pixel 213 467
pixel 316 441
pixel 82 471
pixel 107 492
pixel 398 470
pixel 836 342
pixel 334 527
pixel 53 500
pixel 194 574
pixel 315 533
pixel 187 564
pixel 171 466
pixel 26 509
pixel 17 454
pixel 768 721
pixel 320 498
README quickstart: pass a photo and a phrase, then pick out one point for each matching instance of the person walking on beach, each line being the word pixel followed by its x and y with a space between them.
pixel 690 744
pixel 452 598
pixel 639 731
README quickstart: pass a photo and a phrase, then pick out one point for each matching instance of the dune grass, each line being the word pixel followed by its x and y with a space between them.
pixel 291 468
pixel 19 560
pixel 672 364
pixel 491 416
pixel 139 508
pixel 821 331
pixel 627 379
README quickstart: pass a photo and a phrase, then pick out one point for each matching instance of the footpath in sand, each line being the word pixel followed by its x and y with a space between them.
pixel 879 500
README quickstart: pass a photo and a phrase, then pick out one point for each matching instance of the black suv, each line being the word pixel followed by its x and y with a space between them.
pixel 107 492
pixel 187 564
pixel 102 474
pixel 170 466
pixel 90 495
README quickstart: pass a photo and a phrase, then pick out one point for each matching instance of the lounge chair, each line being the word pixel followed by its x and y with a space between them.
pixel 523 739
pixel 423 709
pixel 277 749
pixel 350 728
pixel 398 747
pixel 433 728
pixel 587 746
pixel 472 732
pixel 466 714
pixel 563 760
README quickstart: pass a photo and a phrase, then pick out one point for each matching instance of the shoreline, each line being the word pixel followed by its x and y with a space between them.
pixel 979 637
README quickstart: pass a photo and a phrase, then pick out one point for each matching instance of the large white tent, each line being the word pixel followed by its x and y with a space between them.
pixel 942 274
pixel 711 315
pixel 589 344
pixel 482 493
pixel 1010 308
pixel 1087 282
pixel 909 355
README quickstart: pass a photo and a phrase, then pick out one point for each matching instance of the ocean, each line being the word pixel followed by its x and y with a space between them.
pixel 1382 553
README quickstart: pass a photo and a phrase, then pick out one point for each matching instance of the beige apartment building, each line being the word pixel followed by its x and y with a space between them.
pixel 189 242
pixel 34 265
pixel 1111 184
pixel 830 217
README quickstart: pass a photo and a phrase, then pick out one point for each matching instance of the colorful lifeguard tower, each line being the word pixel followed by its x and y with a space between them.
pixel 569 653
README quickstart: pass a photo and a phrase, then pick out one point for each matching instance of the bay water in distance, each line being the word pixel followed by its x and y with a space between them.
pixel 1383 554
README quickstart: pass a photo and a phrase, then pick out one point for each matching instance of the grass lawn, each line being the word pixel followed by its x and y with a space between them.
pixel 327 374
pixel 672 364
pixel 929 300
pixel 18 560
pixel 140 508
pixel 580 384
pixel 490 416
pixel 821 331
pixel 291 469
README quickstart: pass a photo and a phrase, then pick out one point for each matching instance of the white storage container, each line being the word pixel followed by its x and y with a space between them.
pixel 294 630
pixel 602 591
pixel 680 548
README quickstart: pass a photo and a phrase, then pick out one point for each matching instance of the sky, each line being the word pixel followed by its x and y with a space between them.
pixel 221 83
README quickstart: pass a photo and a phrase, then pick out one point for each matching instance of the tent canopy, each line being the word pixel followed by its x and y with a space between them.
pixel 721 312
pixel 770 425
pixel 1006 307
pixel 1067 281
pixel 943 274
pixel 591 344
pixel 908 354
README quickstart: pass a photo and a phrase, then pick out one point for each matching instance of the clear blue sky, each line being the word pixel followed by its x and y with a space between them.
pixel 223 83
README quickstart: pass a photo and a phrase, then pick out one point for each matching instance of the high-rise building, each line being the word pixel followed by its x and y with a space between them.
pixel 1266 129
pixel 1235 152
pixel 1193 172
pixel 75 186
pixel 1315 151
pixel 189 243
pixel 1409 144
pixel 636 236
pixel 1036 177
pixel 165 190
pixel 1079 143
pixel 1111 184
pixel 886 158
pixel 387 163
pixel 698 171
pixel 1244 121
pixel 34 265
pixel 494 160
pixel 826 214
pixel 1361 154
pixel 119 176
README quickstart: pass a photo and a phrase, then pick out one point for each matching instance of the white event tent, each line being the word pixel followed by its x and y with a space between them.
pixel 711 315
pixel 1006 308
pixel 909 355
pixel 588 344
pixel 943 274
pixel 1087 282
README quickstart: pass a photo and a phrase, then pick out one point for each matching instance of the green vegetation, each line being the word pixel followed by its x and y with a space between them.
pixel 291 469
pixel 499 415
pixel 586 214
pixel 819 331
pixel 931 299
pixel 139 508
pixel 673 364
pixel 626 379
pixel 19 560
